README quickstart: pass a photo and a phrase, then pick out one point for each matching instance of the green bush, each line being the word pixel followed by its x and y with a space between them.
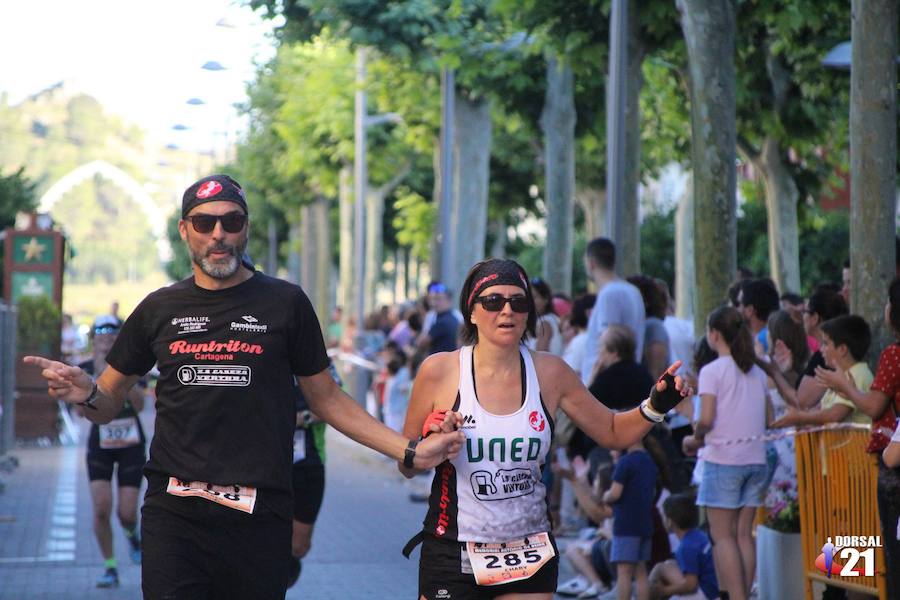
pixel 39 326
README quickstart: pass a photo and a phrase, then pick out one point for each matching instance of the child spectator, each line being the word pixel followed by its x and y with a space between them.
pixel 589 557
pixel 692 575
pixel 734 405
pixel 845 342
pixel 631 496
pixel 882 404
pixel 396 387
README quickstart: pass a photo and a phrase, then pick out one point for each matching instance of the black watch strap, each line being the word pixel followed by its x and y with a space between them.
pixel 89 401
pixel 410 454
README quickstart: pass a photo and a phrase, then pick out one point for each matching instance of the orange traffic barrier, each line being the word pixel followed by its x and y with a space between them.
pixel 836 485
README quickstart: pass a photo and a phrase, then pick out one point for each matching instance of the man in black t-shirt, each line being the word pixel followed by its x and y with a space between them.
pixel 229 343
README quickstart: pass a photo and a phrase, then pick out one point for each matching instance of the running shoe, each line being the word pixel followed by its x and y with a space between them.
pixel 573 587
pixel 110 579
pixel 592 592
pixel 135 550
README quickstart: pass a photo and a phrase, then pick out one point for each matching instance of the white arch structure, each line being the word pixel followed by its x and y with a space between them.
pixel 155 214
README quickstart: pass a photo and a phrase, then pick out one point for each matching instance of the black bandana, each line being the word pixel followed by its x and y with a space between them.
pixel 497 272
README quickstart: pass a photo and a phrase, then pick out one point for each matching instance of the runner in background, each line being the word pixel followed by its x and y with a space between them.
pixel 308 478
pixel 119 445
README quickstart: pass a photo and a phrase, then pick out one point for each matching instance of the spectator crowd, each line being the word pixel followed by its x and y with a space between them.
pixel 686 497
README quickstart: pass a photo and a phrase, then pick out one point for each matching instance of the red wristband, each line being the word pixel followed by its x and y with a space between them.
pixel 435 418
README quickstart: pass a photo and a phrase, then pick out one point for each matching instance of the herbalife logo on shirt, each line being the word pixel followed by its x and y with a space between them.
pixel 250 324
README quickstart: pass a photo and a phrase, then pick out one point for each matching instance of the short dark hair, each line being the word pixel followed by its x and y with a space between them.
pixel 468 333
pixel 894 299
pixel 792 298
pixel 579 317
pixel 621 341
pixel 851 331
pixel 827 304
pixel 603 252
pixel 761 295
pixel 681 509
pixel 652 294
pixel 734 292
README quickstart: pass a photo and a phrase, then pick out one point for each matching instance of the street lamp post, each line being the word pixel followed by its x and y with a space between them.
pixel 615 121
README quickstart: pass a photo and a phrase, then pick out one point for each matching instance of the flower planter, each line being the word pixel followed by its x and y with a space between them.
pixel 779 564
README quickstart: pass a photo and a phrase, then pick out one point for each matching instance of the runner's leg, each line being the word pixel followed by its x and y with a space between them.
pixel 101 498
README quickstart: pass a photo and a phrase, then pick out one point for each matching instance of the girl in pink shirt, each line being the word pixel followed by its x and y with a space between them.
pixel 733 399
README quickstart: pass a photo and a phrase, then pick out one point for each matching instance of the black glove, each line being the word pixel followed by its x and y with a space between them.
pixel 664 401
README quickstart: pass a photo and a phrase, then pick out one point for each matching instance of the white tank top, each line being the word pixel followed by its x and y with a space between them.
pixel 492 491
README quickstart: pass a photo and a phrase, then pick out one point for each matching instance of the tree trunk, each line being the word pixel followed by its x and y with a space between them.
pixel 558 124
pixel 498 249
pixel 345 235
pixel 628 240
pixel 272 250
pixel 781 205
pixel 374 218
pixel 685 279
pixel 709 31
pixel 593 206
pixel 308 251
pixel 321 225
pixel 295 240
pixel 873 155
pixel 438 246
pixel 471 166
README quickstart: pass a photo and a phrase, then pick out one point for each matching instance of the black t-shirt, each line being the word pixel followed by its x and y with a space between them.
pixel 225 394
pixel 443 333
pixel 621 386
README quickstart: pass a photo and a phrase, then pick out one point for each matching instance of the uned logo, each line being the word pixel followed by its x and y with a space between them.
pixel 846 548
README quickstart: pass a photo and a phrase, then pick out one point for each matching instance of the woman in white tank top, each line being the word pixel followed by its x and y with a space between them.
pixel 486 534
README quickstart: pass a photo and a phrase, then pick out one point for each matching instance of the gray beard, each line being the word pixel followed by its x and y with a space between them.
pixel 220 270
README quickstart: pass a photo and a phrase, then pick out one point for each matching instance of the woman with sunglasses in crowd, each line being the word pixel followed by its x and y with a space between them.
pixel 486 533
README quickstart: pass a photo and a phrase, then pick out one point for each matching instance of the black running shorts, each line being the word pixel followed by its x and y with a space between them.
pixel 309 488
pixel 100 464
pixel 441 576
pixel 196 549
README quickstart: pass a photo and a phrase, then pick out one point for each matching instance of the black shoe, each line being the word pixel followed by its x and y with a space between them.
pixel 294 571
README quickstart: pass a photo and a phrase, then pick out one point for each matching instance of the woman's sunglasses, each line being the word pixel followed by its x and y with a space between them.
pixel 232 222
pixel 496 302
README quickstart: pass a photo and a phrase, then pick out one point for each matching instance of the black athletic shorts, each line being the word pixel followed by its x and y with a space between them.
pixel 194 549
pixel 441 576
pixel 131 461
pixel 309 488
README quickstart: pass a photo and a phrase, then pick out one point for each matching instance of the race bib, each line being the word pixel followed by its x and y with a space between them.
pixel 497 563
pixel 299 444
pixel 120 433
pixel 238 497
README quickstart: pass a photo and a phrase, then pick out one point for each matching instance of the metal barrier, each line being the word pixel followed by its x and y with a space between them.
pixel 7 377
pixel 836 484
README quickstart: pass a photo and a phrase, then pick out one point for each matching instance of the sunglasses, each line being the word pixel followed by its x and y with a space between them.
pixel 496 302
pixel 105 329
pixel 232 222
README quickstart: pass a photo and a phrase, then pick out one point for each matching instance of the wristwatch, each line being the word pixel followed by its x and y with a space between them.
pixel 410 454
pixel 89 401
pixel 649 413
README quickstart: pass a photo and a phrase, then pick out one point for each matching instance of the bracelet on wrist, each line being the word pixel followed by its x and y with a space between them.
pixel 91 399
pixel 649 413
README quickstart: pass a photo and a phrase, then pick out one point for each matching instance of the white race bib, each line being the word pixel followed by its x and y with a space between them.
pixel 120 433
pixel 496 563
pixel 238 497
pixel 299 444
